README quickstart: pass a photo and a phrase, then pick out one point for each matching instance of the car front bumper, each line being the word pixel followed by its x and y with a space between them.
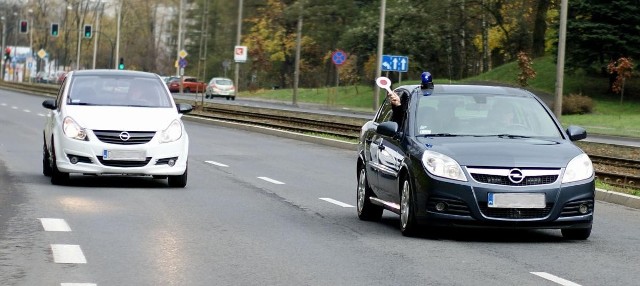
pixel 89 156
pixel 466 205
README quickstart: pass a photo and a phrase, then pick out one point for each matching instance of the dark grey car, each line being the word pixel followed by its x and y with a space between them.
pixel 474 156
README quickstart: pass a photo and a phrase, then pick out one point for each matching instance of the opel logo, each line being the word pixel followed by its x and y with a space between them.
pixel 124 136
pixel 516 176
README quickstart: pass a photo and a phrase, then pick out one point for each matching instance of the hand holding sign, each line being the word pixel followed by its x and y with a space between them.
pixel 385 83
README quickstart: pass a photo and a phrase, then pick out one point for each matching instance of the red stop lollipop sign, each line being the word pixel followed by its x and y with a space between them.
pixel 384 82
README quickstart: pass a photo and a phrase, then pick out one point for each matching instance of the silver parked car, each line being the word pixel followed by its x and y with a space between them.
pixel 220 87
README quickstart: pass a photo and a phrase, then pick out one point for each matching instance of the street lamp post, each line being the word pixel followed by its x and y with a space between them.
pixel 95 40
pixel 4 33
pixel 30 57
pixel 238 34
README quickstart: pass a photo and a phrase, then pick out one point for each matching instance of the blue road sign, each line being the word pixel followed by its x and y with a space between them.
pixel 182 62
pixel 395 63
pixel 338 57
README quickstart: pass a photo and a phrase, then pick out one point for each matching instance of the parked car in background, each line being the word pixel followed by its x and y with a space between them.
pixel 115 122
pixel 474 156
pixel 58 77
pixel 42 77
pixel 221 87
pixel 189 84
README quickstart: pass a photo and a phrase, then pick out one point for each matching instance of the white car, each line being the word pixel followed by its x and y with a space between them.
pixel 115 122
pixel 220 87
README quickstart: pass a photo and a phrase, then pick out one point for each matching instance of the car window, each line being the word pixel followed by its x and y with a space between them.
pixel 117 90
pixel 224 82
pixel 483 114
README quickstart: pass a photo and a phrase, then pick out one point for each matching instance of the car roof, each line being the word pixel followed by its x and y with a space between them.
pixel 99 72
pixel 473 89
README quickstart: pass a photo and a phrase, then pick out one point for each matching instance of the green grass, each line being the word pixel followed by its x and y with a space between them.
pixel 604 186
pixel 609 116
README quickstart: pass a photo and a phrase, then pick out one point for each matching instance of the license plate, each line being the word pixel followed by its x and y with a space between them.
pixel 123 155
pixel 517 200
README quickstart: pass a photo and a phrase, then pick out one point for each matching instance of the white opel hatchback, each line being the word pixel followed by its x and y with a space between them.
pixel 115 122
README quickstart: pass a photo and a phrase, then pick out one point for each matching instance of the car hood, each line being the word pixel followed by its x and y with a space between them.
pixel 122 118
pixel 504 152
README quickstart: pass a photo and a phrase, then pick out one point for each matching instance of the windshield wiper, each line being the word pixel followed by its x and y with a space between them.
pixel 439 135
pixel 511 136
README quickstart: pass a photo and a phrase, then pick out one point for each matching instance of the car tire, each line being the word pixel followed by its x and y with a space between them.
pixel 228 97
pixel 46 163
pixel 57 177
pixel 233 98
pixel 179 181
pixel 366 210
pixel 576 233
pixel 408 223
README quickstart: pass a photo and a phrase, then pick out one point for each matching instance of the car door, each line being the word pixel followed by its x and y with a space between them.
pixel 391 154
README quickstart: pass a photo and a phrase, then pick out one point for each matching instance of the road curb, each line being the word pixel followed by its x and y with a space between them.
pixel 618 198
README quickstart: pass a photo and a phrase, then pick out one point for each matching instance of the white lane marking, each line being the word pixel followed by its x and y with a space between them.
pixel 26 110
pixel 555 279
pixel 14 107
pixel 54 224
pixel 78 284
pixel 40 114
pixel 67 253
pixel 337 202
pixel 3 104
pixel 271 180
pixel 216 163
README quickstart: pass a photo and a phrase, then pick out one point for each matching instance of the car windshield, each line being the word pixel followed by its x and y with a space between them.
pixel 118 90
pixel 483 115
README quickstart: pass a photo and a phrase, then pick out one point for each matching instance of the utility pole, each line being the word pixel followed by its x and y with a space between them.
pixel 4 36
pixel 557 107
pixel 296 71
pixel 119 16
pixel 100 6
pixel 238 34
pixel 383 7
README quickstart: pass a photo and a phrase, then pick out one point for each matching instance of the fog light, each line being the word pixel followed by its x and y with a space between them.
pixel 441 206
pixel 583 209
pixel 172 162
pixel 73 159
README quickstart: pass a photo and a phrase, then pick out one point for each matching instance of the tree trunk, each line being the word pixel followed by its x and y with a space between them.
pixel 540 28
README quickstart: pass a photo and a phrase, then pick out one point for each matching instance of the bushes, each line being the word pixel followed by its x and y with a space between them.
pixel 576 104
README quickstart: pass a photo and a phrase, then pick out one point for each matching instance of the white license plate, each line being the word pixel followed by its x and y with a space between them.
pixel 517 200
pixel 123 155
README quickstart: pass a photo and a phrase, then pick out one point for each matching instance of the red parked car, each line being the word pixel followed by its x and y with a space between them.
pixel 189 84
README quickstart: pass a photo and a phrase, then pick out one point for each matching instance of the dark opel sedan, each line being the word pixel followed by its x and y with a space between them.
pixel 474 156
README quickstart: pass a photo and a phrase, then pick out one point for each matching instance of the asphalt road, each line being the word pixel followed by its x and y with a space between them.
pixel 261 210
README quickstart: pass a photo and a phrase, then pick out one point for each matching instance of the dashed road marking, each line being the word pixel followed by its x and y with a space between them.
pixel 344 205
pixel 67 253
pixel 54 224
pixel 216 163
pixel 555 279
pixel 26 110
pixel 78 284
pixel 271 180
pixel 14 107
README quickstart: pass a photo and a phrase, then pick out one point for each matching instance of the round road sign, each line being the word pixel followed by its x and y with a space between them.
pixel 339 57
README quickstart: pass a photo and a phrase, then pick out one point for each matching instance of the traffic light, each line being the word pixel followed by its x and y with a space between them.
pixel 87 31
pixel 7 54
pixel 54 29
pixel 121 64
pixel 24 26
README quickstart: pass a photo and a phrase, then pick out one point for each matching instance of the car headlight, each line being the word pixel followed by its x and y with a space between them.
pixel 172 133
pixel 442 166
pixel 579 168
pixel 73 130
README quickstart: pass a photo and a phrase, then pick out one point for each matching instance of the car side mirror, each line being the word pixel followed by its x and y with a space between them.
pixel 49 104
pixel 576 133
pixel 184 108
pixel 387 128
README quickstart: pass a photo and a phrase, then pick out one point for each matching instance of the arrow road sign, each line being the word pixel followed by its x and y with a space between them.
pixel 395 63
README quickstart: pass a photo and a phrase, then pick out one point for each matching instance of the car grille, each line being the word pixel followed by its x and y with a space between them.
pixel 113 137
pixel 454 207
pixel 515 213
pixel 500 176
pixel 571 208
pixel 504 180
pixel 123 163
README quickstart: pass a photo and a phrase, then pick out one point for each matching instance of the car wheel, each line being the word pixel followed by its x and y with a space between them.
pixel 408 224
pixel 46 162
pixel 233 98
pixel 366 209
pixel 228 97
pixel 576 233
pixel 179 181
pixel 57 177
